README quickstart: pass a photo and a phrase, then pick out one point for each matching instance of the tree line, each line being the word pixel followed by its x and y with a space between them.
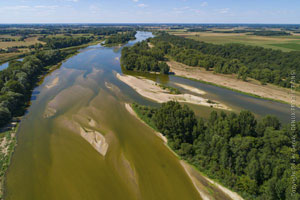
pixel 120 38
pixel 140 57
pixel 18 80
pixel 251 157
pixel 63 42
pixel 265 65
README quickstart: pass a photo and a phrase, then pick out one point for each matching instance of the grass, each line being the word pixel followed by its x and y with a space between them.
pixel 294 46
pixel 5 158
pixel 284 43
pixel 28 41
pixel 172 90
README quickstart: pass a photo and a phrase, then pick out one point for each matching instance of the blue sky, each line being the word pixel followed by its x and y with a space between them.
pixel 150 11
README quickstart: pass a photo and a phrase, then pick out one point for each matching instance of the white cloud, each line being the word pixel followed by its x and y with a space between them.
pixel 142 5
pixel 135 0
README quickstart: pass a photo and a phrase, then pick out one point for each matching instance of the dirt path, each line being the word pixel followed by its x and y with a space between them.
pixel 230 81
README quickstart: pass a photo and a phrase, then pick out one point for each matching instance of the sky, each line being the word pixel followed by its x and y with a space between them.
pixel 150 11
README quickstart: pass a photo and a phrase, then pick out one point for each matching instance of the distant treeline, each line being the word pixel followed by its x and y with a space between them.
pixel 251 157
pixel 140 57
pixel 270 33
pixel 66 41
pixel 265 65
pixel 52 30
pixel 120 38
pixel 18 80
pixel 250 31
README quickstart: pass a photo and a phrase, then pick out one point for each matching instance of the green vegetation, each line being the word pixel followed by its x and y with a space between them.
pixel 172 90
pixel 225 37
pixel 265 65
pixel 18 80
pixel 294 46
pixel 271 33
pixel 63 42
pixel 8 142
pixel 120 38
pixel 22 40
pixel 251 157
pixel 140 57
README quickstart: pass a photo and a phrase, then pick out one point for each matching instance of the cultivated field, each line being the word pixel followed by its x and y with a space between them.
pixel 284 43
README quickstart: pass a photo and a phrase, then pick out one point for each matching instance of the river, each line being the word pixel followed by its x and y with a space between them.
pixel 52 160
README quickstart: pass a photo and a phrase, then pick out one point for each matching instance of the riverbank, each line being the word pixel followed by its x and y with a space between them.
pixel 207 188
pixel 152 90
pixel 251 87
pixel 8 140
pixel 7 145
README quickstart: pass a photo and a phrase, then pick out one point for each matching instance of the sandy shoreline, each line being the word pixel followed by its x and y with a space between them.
pixel 131 111
pixel 230 81
pixel 53 83
pixel 203 192
pixel 153 91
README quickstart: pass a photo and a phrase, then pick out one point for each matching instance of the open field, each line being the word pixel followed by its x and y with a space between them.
pixel 284 43
pixel 28 41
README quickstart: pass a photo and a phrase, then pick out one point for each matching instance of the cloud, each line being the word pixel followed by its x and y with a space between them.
pixel 142 5
pixel 73 0
pixel 135 0
pixel 203 4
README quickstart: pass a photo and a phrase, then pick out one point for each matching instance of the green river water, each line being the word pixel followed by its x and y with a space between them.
pixel 52 161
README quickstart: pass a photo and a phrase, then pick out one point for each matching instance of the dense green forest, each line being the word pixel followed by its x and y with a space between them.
pixel 140 57
pixel 18 80
pixel 252 157
pixel 270 33
pixel 61 29
pixel 265 65
pixel 63 42
pixel 120 38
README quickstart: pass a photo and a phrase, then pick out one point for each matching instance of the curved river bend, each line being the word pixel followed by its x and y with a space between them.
pixel 53 161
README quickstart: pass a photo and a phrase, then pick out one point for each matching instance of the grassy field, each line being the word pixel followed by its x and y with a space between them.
pixel 28 41
pixel 284 43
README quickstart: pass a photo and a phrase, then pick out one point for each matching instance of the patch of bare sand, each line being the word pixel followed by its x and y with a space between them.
pixel 230 81
pixel 112 87
pixel 95 138
pixel 151 90
pixel 190 88
pixel 150 45
pixel 53 83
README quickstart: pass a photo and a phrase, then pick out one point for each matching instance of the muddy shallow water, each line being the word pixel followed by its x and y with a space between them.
pixel 53 161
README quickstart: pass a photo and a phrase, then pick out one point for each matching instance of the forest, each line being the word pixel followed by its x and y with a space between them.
pixel 140 57
pixel 63 42
pixel 18 80
pixel 265 65
pixel 249 156
pixel 120 38
pixel 270 33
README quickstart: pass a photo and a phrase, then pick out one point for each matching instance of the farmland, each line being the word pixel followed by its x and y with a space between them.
pixel 284 43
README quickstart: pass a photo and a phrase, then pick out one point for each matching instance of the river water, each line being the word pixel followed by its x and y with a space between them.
pixel 52 160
